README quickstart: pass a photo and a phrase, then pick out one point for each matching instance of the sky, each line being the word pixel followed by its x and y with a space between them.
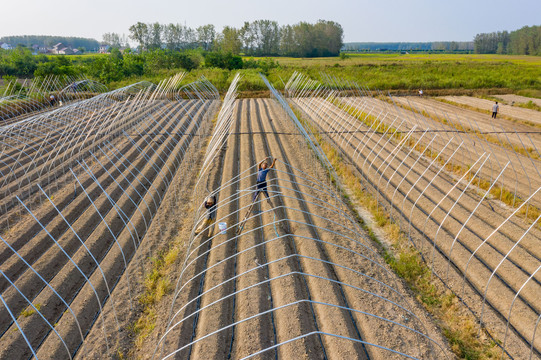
pixel 362 20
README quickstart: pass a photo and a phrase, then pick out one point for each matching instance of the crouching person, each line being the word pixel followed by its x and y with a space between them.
pixel 210 216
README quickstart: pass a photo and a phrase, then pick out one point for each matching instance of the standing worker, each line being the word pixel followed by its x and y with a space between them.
pixel 210 205
pixel 261 182
pixel 495 108
pixel 421 92
pixel 261 187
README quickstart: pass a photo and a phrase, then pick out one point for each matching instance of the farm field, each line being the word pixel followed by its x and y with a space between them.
pixel 437 74
pixel 75 209
pixel 355 59
pixel 502 139
pixel 301 232
pixel 94 190
pixel 467 240
pixel 519 99
pixel 517 113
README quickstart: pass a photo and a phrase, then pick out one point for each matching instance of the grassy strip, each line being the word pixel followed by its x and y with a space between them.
pixel 529 105
pixel 157 285
pixel 506 196
pixel 533 93
pixel 30 310
pixel 491 98
pixel 457 324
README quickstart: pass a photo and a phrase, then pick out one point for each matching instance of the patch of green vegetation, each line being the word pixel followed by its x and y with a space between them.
pixel 533 93
pixel 30 310
pixel 157 285
pixel 529 105
pixel 491 98
pixel 449 73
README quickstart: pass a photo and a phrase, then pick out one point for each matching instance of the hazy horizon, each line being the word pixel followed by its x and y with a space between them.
pixel 363 21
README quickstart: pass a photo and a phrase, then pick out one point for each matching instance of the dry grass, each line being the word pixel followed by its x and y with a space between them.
pixel 157 285
pixel 529 105
pixel 533 93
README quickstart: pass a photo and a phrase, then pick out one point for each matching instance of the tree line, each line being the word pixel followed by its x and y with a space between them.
pixel 257 38
pixel 50 41
pixel 118 66
pixel 440 46
pixel 525 41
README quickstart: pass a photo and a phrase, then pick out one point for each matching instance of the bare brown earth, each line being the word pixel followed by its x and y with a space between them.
pixel 173 222
pixel 447 226
pixel 225 284
pixel 134 183
pixel 319 293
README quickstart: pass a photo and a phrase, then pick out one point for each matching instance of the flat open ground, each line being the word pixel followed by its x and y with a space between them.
pixel 302 280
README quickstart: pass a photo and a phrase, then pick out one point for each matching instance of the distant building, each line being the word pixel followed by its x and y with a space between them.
pixel 104 48
pixel 66 51
pixel 61 49
pixel 38 49
pixel 57 48
pixel 5 46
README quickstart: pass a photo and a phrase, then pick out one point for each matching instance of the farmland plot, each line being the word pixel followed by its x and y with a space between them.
pixel 478 246
pixel 291 277
pixel 81 185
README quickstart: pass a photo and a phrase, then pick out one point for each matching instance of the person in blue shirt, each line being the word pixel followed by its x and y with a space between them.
pixel 261 182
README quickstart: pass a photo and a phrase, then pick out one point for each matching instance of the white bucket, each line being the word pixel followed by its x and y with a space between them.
pixel 223 227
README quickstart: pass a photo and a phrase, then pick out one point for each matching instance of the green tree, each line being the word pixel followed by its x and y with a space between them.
pixel 172 36
pixel 60 65
pixel 133 64
pixel 22 61
pixel 112 39
pixel 288 47
pixel 205 36
pixel 116 54
pixel 155 36
pixel 139 32
pixel 230 40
